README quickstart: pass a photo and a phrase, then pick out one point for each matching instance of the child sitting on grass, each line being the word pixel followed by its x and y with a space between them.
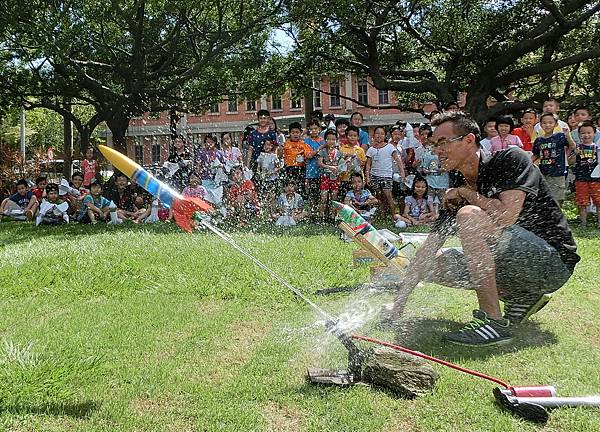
pixel 22 205
pixel 242 201
pixel 194 189
pixel 359 198
pixel 290 206
pixel 94 206
pixel 53 210
pixel 418 208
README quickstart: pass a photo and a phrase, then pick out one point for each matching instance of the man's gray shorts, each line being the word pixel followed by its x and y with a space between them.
pixel 525 263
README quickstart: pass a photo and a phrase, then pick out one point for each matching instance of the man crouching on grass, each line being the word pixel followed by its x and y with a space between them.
pixel 517 246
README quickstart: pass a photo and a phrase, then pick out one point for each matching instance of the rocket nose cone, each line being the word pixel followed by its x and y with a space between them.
pixel 337 205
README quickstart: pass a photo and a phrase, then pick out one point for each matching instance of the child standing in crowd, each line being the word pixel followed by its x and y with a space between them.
pixel 40 187
pixel 505 138
pixel 359 198
pixel 586 186
pixel 242 199
pixel 418 206
pixel 489 128
pixel 182 157
pixel 194 189
pixel 525 132
pixel 340 127
pixel 329 160
pixel 438 180
pixel 257 137
pixel 94 206
pixel 209 160
pixel 268 167
pixel 290 206
pixel 53 210
pixel 379 169
pixel 295 154
pixel 89 166
pixel 22 205
pixel 313 171
pixel 549 150
pixel 232 154
pixel 354 156
pixel 551 106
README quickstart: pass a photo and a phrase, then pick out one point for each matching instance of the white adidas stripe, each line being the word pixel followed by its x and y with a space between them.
pixel 482 334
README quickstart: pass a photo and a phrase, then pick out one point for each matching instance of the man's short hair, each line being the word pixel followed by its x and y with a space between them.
pixel 462 124
pixel 314 122
pixel 263 112
pixel 295 125
pixel 22 182
pixel 357 113
pixel 40 179
pixel 586 123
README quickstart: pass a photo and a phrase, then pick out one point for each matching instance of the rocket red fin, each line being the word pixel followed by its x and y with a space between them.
pixel 184 209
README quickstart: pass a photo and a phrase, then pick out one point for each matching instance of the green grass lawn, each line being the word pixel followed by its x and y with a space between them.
pixel 151 329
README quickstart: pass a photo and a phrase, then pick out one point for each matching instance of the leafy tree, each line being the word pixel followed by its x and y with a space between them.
pixel 127 57
pixel 438 48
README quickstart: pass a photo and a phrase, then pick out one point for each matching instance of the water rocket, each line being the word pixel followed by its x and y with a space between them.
pixel 185 210
pixel 369 238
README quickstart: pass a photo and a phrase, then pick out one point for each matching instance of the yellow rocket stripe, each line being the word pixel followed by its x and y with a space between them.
pixel 119 160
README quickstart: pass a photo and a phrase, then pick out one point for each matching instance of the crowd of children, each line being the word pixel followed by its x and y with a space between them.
pixel 394 172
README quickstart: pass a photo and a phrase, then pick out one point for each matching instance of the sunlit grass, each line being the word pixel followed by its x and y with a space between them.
pixel 148 328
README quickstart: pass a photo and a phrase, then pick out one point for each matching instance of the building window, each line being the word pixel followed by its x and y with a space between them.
pixel 316 99
pixel 232 104
pixel 138 150
pixel 214 108
pixel 334 97
pixel 251 105
pixel 276 104
pixel 155 150
pixel 295 99
pixel 384 97
pixel 363 92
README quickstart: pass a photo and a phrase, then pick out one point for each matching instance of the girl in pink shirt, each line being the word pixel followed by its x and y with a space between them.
pixel 89 166
pixel 505 139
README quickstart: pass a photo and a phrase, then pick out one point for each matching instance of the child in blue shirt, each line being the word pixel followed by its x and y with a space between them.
pixel 94 206
pixel 359 198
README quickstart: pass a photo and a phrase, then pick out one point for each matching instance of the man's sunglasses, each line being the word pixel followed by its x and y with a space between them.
pixel 443 141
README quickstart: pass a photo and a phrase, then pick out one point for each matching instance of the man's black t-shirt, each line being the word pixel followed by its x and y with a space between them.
pixel 512 169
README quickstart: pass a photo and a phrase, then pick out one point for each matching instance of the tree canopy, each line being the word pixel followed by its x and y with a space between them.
pixel 433 49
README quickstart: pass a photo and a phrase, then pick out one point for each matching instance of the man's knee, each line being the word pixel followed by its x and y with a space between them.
pixel 470 213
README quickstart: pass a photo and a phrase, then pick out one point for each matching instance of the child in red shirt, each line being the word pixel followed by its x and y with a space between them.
pixel 242 199
pixel 89 166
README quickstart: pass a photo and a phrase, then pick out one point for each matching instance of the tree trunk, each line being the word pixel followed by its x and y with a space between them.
pixel 118 125
pixel 67 142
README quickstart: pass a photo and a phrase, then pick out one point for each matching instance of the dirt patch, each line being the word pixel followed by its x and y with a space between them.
pixel 282 418
pixel 210 308
pixel 401 425
pixel 145 405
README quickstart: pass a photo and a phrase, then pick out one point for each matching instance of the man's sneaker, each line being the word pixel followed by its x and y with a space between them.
pixel 482 331
pixel 520 307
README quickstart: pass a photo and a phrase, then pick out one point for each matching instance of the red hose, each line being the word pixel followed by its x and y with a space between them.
pixel 433 359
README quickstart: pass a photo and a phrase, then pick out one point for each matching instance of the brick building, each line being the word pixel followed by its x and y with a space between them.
pixel 148 137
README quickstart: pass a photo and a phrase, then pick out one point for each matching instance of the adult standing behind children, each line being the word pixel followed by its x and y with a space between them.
pixel 517 246
pixel 363 136
pixel 257 137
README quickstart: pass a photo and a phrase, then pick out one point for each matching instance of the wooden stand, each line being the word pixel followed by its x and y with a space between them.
pixel 397 265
